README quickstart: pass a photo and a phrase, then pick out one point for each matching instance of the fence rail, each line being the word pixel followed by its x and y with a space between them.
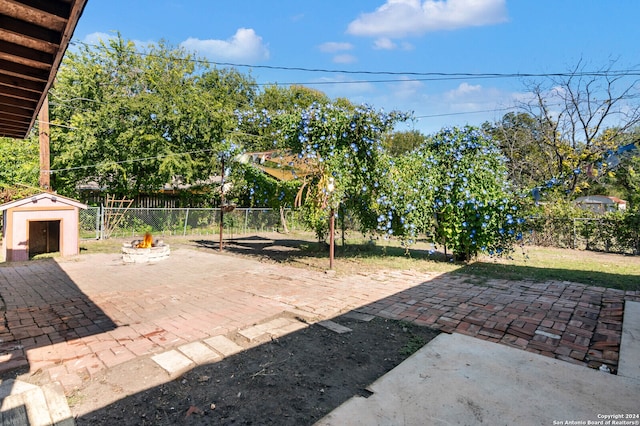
pixel 179 221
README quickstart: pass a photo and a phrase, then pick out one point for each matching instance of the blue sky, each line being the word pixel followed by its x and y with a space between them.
pixel 393 36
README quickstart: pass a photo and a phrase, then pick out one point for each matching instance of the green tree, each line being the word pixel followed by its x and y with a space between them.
pixel 137 120
pixel 529 161
pixel 398 143
pixel 254 132
pixel 341 148
pixel 581 116
pixel 19 167
pixel 19 161
pixel 455 189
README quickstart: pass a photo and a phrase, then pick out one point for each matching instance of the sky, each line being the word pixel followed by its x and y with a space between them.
pixel 407 55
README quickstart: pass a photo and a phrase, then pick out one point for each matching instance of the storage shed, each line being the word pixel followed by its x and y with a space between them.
pixel 43 223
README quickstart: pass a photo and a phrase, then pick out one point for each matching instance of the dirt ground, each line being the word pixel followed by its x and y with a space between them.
pixel 294 380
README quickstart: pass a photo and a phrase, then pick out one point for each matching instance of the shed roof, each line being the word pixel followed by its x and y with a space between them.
pixel 44 195
pixel 34 35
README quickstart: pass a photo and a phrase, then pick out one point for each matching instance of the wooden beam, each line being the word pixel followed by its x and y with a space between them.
pixel 23 71
pixel 24 84
pixel 19 93
pixel 25 55
pixel 29 35
pixel 8 108
pixel 46 14
pixel 43 127
pixel 18 103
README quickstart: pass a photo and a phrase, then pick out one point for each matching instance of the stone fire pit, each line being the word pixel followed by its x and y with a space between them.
pixel 145 251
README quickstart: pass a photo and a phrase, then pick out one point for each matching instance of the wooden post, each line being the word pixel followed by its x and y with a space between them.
pixel 43 127
pixel 332 226
pixel 221 202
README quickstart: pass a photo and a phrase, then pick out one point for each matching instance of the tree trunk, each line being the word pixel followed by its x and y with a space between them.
pixel 283 220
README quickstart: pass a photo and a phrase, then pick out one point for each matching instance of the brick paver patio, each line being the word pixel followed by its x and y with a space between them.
pixel 74 318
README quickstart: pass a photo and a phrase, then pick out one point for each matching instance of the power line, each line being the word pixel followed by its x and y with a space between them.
pixel 464 112
pixel 133 160
pixel 435 75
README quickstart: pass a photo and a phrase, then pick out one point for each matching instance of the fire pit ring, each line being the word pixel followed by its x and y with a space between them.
pixel 145 251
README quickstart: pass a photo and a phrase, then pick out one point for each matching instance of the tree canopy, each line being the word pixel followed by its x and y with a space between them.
pixel 134 121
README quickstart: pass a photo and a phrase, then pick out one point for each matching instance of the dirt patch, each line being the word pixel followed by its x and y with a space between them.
pixel 294 380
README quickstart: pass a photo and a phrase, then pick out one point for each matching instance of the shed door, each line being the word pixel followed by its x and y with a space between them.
pixel 44 237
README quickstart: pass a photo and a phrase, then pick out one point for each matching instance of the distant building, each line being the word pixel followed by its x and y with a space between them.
pixel 600 203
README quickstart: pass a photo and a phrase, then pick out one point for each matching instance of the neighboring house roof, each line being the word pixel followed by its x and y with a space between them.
pixel 34 36
pixel 617 200
pixel 38 197
pixel 176 184
pixel 278 164
pixel 599 199
pixel 600 203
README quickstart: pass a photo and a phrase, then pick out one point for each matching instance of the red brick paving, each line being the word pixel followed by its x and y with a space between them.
pixel 568 321
pixel 74 318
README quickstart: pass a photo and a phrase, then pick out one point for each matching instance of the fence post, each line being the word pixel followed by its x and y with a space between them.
pixel 246 220
pixel 100 223
pixel 574 234
pixel 186 219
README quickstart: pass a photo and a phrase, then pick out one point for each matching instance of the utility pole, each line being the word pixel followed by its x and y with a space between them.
pixel 43 127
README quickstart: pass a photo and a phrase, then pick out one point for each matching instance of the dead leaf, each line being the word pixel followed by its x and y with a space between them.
pixel 193 409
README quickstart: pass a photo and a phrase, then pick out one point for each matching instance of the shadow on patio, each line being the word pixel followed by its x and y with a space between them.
pixel 42 306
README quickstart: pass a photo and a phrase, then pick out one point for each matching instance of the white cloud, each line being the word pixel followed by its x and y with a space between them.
pixel 344 59
pixel 97 37
pixel 244 45
pixel 409 89
pixel 400 18
pixel 333 46
pixel 463 90
pixel 384 43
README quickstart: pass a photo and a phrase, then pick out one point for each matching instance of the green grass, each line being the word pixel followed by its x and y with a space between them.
pixel 545 263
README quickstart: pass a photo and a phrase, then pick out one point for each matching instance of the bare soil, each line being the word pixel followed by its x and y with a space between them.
pixel 293 380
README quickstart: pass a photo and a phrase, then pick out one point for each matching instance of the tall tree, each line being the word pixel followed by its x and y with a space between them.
pixel 341 149
pixel 581 116
pixel 530 162
pixel 19 167
pixel 398 143
pixel 137 119
pixel 454 188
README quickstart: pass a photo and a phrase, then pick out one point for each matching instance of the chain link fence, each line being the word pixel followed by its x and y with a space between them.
pixel 594 234
pixel 102 222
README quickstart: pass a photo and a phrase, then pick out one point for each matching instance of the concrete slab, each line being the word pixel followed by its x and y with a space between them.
pixel 57 403
pixel 291 328
pixel 274 324
pixel 224 345
pixel 14 411
pixel 199 353
pixel 457 379
pixel 359 316
pixel 37 408
pixel 27 404
pixel 173 362
pixel 629 363
pixel 252 333
pixel 334 326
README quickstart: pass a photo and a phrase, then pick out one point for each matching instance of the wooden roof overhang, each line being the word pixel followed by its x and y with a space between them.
pixel 34 35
